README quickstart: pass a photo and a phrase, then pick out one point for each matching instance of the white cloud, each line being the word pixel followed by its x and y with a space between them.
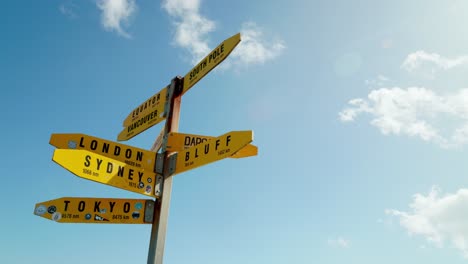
pixel 339 242
pixel 430 63
pixel 377 82
pixel 254 48
pixel 192 30
pixel 116 14
pixel 415 112
pixel 68 9
pixel 439 219
pixel 191 27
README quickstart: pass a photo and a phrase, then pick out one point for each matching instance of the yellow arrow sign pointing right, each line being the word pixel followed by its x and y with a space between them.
pixel 213 150
pixel 212 60
pixel 178 141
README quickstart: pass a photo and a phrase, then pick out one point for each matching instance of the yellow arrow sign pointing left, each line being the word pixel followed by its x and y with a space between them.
pixel 95 210
pixel 155 102
pixel 133 156
pixel 95 167
pixel 213 150
pixel 141 124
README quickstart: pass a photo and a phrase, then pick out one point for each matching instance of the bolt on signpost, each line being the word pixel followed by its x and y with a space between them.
pixel 147 172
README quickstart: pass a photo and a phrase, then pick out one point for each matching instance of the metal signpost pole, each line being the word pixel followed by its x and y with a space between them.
pixel 158 230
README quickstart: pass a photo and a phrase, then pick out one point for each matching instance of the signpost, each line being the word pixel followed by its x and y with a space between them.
pixel 98 168
pixel 96 210
pixel 177 142
pixel 136 157
pixel 141 171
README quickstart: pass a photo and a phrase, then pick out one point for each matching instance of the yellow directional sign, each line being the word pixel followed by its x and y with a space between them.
pixel 104 170
pixel 178 141
pixel 141 124
pixel 94 210
pixel 208 63
pixel 155 102
pixel 212 150
pixel 133 156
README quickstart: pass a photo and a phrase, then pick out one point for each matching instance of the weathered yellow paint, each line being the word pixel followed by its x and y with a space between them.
pixel 178 141
pixel 212 150
pixel 155 102
pixel 212 60
pixel 98 168
pixel 93 210
pixel 133 156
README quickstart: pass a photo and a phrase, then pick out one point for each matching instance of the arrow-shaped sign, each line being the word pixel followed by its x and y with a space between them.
pixel 212 60
pixel 98 168
pixel 141 124
pixel 155 102
pixel 212 150
pixel 133 156
pixel 178 141
pixel 96 210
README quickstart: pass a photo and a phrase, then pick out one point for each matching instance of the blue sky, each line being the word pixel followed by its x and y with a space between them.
pixel 358 109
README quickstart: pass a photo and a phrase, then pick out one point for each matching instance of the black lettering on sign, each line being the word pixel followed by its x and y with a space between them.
pixel 197 69
pixel 126 207
pixel 87 161
pixel 110 167
pixel 217 144
pixel 93 145
pixel 81 206
pixel 117 151
pixel 66 205
pixel 104 148
pixel 142 121
pixel 140 175
pixel 152 101
pixel 99 161
pixel 120 171
pixel 128 153
pixel 193 141
pixel 111 204
pixel 96 206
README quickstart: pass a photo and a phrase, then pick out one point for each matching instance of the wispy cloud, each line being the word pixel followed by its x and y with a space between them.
pixel 68 9
pixel 116 14
pixel 416 112
pixel 339 242
pixel 192 30
pixel 430 63
pixel 377 82
pixel 254 47
pixel 439 219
